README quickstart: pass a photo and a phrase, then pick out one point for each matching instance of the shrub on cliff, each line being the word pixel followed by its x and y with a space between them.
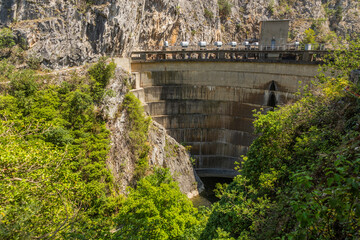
pixel 6 38
pixel 224 8
pixel 139 127
pixel 100 74
pixel 309 36
pixel 208 14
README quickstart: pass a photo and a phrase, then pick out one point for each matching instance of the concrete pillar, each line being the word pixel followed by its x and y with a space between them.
pixel 137 80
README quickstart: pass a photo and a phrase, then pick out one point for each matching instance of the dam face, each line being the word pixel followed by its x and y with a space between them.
pixel 209 105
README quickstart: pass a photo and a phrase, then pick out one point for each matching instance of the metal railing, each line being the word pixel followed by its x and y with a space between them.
pixel 249 47
pixel 263 53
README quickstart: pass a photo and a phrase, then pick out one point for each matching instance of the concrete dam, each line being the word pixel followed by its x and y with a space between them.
pixel 209 104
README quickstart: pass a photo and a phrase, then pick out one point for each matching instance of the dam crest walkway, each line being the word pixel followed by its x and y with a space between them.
pixel 233 55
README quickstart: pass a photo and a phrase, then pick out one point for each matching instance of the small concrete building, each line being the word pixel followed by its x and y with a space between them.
pixel 274 34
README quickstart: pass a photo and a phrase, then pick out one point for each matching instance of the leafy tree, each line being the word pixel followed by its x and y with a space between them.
pixel 54 182
pixel 300 177
pixel 156 209
pixel 101 73
pixel 309 37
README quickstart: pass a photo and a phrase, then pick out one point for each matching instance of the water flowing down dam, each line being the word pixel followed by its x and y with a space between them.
pixel 209 104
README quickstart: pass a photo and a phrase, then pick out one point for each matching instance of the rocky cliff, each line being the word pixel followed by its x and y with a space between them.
pixel 164 150
pixel 72 32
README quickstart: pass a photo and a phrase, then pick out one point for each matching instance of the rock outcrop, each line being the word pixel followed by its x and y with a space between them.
pixel 165 151
pixel 68 33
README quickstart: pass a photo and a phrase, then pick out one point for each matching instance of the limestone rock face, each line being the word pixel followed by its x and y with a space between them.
pixel 165 151
pixel 71 32
pixel 168 153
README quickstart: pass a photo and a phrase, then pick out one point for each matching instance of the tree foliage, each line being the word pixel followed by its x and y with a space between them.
pixel 309 37
pixel 100 73
pixel 6 38
pixel 156 209
pixel 300 177
pixel 54 182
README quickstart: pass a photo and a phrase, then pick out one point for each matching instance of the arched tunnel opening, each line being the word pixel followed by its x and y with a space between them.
pixel 272 86
pixel 272 100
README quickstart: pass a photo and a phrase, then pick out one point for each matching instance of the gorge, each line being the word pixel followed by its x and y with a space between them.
pixel 112 112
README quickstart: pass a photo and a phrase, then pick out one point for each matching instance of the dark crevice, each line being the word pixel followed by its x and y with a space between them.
pixel 272 86
pixel 210 186
pixel 272 100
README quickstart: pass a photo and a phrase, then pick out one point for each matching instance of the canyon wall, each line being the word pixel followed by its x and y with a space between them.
pixel 164 150
pixel 67 33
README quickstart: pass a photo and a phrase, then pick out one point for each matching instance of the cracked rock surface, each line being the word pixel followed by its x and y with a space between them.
pixel 71 32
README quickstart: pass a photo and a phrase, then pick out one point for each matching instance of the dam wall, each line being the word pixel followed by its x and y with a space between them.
pixel 209 105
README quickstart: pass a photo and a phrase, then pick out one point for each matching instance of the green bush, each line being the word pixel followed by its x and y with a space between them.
pixel 271 7
pixel 139 126
pixel 339 13
pixel 309 37
pixel 100 74
pixel 208 14
pixel 224 8
pixel 22 83
pixel 58 136
pixel 156 209
pixel 34 62
pixel 6 38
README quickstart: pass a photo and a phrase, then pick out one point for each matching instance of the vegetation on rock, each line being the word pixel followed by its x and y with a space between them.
pixel 224 8
pixel 208 14
pixel 6 38
pixel 300 179
pixel 309 37
pixel 139 127
pixel 54 181
pixel 157 209
pixel 53 148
